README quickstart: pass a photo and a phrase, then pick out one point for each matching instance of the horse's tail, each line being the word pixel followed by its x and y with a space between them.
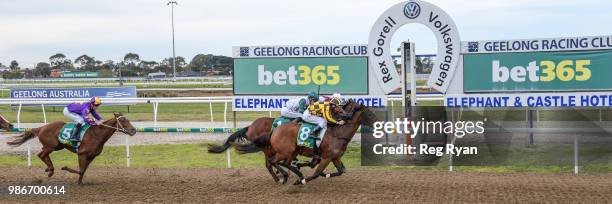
pixel 257 145
pixel 240 134
pixel 22 138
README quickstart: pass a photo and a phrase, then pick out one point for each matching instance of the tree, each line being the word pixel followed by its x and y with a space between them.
pixel 129 65
pixel 15 74
pixel 85 61
pixel 59 61
pixel 14 65
pixel 202 62
pixel 168 63
pixel 131 59
pixel 42 69
pixel 147 64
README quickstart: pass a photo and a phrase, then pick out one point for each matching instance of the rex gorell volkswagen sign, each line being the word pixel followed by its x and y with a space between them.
pixel 434 18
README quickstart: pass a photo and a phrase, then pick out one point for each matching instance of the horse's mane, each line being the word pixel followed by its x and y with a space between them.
pixel 367 116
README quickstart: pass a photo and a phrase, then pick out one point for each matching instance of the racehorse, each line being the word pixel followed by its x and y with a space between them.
pixel 5 124
pixel 333 146
pixel 91 144
pixel 261 127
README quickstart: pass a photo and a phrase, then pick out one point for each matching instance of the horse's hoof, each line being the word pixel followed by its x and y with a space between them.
pixel 327 175
pixel 285 180
pixel 50 174
pixel 280 181
pixel 300 182
pixel 65 168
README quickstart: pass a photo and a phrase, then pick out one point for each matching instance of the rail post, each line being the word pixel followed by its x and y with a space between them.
pixel 225 114
pixel 575 154
pixel 211 112
pixel 529 114
pixel 229 159
pixel 44 113
pixel 600 110
pixel 450 156
pixel 392 109
pixel 29 143
pixel 234 117
pixel 127 150
pixel 155 107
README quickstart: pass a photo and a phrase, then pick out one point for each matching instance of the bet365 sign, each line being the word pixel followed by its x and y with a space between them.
pixel 538 71
pixel 274 76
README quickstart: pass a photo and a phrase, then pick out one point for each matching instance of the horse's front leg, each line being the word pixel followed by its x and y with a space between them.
pixel 84 161
pixel 319 170
pixel 339 166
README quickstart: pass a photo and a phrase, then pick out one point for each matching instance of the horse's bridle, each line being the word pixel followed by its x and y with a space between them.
pixel 119 126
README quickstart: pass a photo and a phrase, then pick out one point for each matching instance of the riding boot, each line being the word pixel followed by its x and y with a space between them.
pixel 75 133
pixel 316 130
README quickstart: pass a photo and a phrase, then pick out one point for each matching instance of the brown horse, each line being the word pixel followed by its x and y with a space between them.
pixel 261 127
pixel 5 124
pixel 284 142
pixel 91 144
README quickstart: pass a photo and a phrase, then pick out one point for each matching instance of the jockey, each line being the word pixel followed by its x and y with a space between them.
pixel 322 113
pixel 79 113
pixel 295 108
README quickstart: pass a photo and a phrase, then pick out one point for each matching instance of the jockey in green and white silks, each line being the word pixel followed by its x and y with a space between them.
pixel 295 108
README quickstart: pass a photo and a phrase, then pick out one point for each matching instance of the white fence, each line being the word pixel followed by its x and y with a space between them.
pixel 156 101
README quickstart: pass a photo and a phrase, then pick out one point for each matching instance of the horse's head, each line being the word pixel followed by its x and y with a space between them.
pixel 5 124
pixel 124 125
pixel 359 113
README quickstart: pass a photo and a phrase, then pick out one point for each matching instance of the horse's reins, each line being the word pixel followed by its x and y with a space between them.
pixel 119 125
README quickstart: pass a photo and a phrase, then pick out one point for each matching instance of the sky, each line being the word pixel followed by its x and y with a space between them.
pixel 33 30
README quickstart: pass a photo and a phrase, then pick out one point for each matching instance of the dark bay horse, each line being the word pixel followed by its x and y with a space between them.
pixel 284 143
pixel 5 124
pixel 91 145
pixel 260 127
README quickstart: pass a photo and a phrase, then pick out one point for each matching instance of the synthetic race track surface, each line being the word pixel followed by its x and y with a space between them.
pixel 361 185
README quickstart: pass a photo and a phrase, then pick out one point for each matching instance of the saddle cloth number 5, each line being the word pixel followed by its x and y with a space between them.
pixel 67 132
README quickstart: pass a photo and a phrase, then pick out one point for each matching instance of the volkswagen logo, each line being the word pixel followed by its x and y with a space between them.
pixel 412 10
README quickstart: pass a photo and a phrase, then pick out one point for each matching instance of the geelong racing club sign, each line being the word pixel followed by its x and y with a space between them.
pixel 449 43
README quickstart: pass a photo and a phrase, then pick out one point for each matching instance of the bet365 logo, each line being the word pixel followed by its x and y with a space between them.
pixel 545 71
pixel 304 75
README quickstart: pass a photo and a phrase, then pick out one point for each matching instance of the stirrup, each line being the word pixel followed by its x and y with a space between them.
pixel 74 137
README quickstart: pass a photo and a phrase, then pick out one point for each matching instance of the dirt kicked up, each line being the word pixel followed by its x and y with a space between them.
pixel 358 185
